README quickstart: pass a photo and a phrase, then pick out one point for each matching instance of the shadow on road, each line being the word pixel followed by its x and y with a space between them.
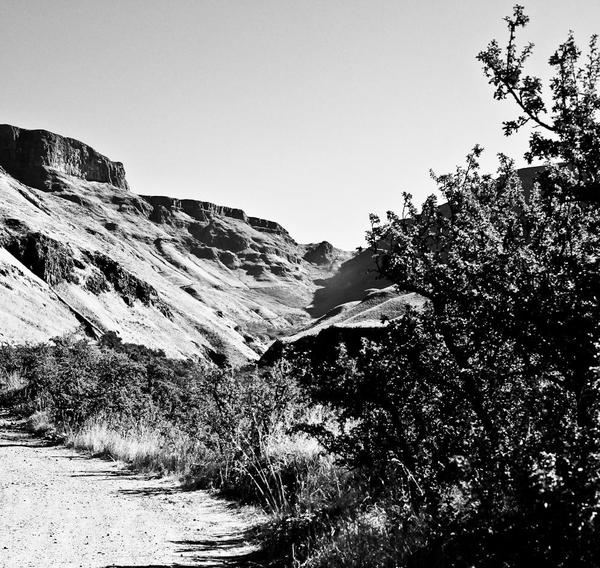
pixel 40 444
pixel 224 549
pixel 204 562
pixel 216 543
pixel 152 491
pixel 157 566
pixel 221 551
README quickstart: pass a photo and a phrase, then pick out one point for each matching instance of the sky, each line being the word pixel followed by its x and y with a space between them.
pixel 312 113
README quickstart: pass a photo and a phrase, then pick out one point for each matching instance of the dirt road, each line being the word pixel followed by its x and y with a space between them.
pixel 61 508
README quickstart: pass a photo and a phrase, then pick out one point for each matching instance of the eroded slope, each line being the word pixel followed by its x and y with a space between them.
pixel 185 276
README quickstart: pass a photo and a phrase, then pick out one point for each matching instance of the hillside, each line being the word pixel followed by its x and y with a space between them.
pixel 80 252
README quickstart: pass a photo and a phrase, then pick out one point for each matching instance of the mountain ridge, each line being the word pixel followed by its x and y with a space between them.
pixel 187 276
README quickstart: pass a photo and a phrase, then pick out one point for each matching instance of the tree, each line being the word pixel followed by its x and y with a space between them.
pixel 567 129
pixel 484 407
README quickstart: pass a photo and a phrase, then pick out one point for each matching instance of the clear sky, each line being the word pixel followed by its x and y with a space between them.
pixel 313 113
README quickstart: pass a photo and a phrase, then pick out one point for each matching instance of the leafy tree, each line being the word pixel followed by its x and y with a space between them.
pixel 567 128
pixel 482 410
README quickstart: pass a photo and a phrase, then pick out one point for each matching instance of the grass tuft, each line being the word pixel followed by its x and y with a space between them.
pixel 143 446
pixel 39 423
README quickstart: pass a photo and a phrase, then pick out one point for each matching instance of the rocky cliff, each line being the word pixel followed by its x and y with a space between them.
pixel 164 207
pixel 34 157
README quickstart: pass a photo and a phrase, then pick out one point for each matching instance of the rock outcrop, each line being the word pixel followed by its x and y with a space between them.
pixel 164 207
pixel 34 157
pixel 48 259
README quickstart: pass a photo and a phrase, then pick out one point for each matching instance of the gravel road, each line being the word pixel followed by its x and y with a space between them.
pixel 61 508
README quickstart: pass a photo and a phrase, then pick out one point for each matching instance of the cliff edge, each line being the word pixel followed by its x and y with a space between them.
pixel 35 157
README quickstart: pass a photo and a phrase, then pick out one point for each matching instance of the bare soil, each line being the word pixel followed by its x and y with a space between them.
pixel 61 508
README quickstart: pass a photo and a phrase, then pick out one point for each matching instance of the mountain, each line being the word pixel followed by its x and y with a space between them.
pixel 81 253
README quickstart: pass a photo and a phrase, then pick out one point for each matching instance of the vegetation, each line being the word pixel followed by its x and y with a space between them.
pixel 468 436
pixel 474 425
pixel 133 403
pixel 216 428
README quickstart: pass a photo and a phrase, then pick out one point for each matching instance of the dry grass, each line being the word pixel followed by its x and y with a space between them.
pixel 12 387
pixel 39 423
pixel 290 470
pixel 12 381
pixel 270 466
pixel 143 446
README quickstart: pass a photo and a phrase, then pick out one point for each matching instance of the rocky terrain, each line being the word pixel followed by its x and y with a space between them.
pixel 81 253
pixel 38 157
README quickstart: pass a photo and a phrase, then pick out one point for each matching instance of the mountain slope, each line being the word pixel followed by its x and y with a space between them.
pixel 81 252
